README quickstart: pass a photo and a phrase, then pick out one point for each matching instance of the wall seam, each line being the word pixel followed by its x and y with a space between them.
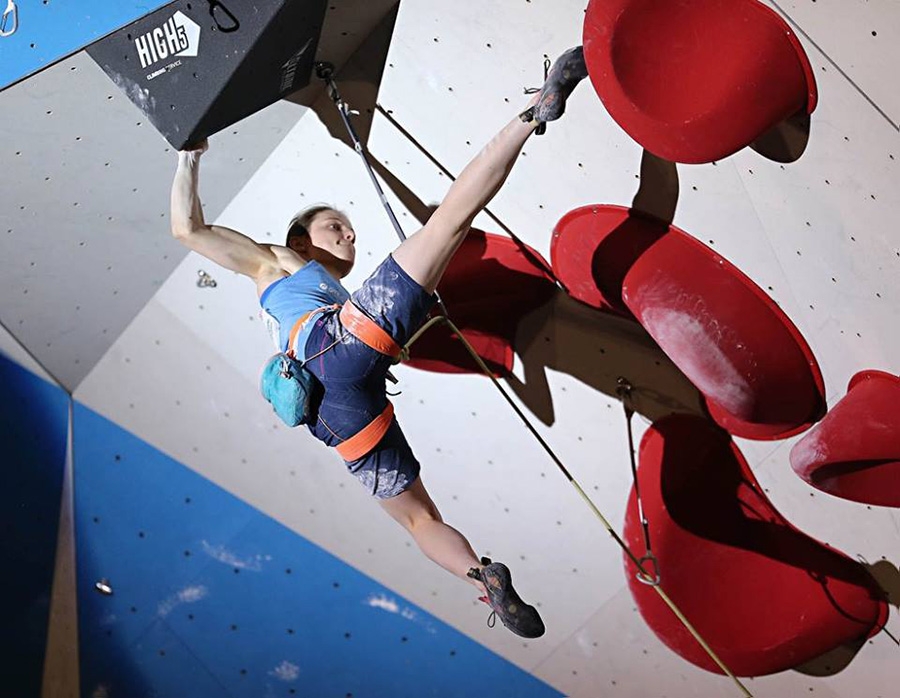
pixel 61 668
pixel 834 64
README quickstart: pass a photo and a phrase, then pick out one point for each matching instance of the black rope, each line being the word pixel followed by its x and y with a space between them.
pixel 623 390
pixel 325 72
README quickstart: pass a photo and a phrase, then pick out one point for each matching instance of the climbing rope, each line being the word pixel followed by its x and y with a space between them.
pixel 9 19
pixel 325 72
pixel 535 259
pixel 623 390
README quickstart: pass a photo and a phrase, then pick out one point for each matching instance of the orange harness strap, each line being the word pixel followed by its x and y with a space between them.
pixel 300 324
pixel 364 441
pixel 365 330
pixel 361 326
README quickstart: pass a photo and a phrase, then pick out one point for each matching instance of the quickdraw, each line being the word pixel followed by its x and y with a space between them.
pixel 623 390
pixel 10 14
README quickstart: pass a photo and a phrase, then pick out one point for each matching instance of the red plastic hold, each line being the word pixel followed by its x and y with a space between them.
pixel 696 80
pixel 854 452
pixel 759 376
pixel 490 284
pixel 593 247
pixel 764 595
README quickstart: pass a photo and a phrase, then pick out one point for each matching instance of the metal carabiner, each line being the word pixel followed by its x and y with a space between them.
pixel 642 576
pixel 10 11
pixel 325 73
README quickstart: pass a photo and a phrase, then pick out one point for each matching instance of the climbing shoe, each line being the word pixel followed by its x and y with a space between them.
pixel 568 70
pixel 505 603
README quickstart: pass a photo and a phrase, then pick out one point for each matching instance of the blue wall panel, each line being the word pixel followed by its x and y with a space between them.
pixel 34 418
pixel 53 29
pixel 212 597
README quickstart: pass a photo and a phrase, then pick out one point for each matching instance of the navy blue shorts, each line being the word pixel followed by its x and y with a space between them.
pixel 353 376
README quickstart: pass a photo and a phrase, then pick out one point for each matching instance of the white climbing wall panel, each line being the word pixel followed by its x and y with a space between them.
pixel 819 235
pixel 858 37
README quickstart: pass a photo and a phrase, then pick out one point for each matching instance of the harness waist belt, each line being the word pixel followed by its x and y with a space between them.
pixel 361 326
pixel 366 331
pixel 364 441
pixel 300 324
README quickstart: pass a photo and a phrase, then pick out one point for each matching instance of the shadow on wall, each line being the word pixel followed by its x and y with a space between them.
pixel 359 81
pixel 887 576
pixel 598 347
pixel 731 560
pixel 565 335
pixel 786 142
pixel 833 662
pixel 657 194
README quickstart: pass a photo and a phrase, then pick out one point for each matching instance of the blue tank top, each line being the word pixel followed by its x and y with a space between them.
pixel 288 299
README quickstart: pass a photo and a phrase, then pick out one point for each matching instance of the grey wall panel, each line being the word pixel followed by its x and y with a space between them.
pixel 84 221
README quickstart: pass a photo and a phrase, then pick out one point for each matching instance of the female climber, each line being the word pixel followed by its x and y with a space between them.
pixel 349 341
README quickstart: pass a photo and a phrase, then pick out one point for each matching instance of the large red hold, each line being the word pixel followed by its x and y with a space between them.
pixel 696 80
pixel 764 595
pixel 756 371
pixel 854 452
pixel 490 284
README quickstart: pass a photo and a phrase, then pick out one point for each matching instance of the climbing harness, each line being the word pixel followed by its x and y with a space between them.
pixel 361 326
pixel 10 14
pixel 290 388
pixel 357 323
pixel 325 72
pixel 298 328
pixel 367 438
pixel 623 390
pixel 286 384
